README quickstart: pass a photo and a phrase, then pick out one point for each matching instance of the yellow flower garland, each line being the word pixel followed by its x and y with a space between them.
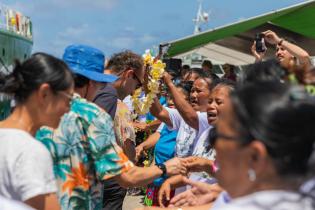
pixel 156 69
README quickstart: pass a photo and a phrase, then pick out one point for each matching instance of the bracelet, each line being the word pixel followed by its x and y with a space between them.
pixel 280 42
pixel 214 168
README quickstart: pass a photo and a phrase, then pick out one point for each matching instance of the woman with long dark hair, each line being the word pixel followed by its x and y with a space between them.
pixel 42 88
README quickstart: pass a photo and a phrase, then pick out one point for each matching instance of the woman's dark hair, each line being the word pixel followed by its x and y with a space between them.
pixel 207 63
pixel 186 67
pixel 27 77
pixel 269 70
pixel 185 86
pixel 282 117
pixel 223 82
pixel 199 71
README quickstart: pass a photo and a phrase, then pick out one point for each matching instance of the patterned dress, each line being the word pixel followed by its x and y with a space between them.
pixel 84 152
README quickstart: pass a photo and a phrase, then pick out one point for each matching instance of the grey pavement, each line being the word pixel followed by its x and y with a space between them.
pixel 132 202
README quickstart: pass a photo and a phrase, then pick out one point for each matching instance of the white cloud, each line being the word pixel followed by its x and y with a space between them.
pixel 122 42
pixel 44 8
pixel 147 38
pixel 86 4
pixel 24 8
pixel 72 34
pixel 129 29
pixel 75 32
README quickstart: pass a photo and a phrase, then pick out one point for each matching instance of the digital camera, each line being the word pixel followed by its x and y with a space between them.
pixel 260 43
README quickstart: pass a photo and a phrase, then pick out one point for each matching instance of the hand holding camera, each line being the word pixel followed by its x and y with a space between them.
pixel 271 37
pixel 259 48
pixel 260 43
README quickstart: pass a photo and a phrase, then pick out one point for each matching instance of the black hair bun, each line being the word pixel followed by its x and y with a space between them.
pixel 11 83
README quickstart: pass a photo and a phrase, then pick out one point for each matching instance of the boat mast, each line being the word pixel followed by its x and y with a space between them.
pixel 201 18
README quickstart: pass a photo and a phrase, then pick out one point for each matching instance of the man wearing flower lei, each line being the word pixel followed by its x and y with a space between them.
pixel 128 67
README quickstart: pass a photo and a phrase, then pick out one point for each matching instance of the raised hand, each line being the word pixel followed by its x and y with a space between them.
pixel 139 151
pixel 167 78
pixel 258 55
pixel 142 126
pixel 271 37
pixel 199 194
pixel 164 194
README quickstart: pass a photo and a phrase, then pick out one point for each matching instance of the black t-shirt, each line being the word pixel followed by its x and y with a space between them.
pixel 106 98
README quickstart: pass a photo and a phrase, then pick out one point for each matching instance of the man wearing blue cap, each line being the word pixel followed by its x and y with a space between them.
pixel 84 148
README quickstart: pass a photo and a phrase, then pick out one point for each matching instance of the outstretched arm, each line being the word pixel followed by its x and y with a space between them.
pixel 137 176
pixel 203 207
pixel 296 51
pixel 169 184
pixel 158 111
pixel 147 144
pixel 184 108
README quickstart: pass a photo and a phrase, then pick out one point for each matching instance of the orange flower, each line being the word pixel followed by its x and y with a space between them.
pixel 124 161
pixel 78 178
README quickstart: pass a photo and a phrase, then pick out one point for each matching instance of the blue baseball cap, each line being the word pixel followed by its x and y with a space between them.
pixel 87 61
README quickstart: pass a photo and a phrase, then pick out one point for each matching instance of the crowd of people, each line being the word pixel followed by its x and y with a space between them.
pixel 243 141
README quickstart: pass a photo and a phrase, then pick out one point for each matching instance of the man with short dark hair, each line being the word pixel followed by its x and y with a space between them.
pixel 84 148
pixel 128 67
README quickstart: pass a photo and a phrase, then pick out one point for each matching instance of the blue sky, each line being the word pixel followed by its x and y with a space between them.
pixel 114 25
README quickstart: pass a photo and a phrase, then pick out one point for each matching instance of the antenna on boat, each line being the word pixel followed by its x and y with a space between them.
pixel 201 18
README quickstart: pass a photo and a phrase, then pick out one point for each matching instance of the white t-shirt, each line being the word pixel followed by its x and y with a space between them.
pixel 26 168
pixel 202 149
pixel 309 187
pixel 160 128
pixel 6 204
pixel 187 136
pixel 271 200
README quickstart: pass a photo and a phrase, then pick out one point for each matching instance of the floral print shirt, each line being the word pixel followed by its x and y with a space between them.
pixel 84 152
pixel 123 124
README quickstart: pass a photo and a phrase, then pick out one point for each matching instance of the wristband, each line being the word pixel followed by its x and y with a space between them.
pixel 162 167
pixel 214 168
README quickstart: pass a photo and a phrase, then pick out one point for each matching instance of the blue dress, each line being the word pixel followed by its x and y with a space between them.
pixel 164 150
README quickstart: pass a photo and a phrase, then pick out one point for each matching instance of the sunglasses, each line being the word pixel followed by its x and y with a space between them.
pixel 139 85
pixel 214 135
pixel 135 77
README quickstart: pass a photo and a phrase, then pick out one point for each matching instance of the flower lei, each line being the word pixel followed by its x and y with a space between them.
pixel 155 69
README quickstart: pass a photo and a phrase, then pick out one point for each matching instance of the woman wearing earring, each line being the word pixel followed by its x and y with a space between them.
pixel 264 141
pixel 41 87
pixel 265 138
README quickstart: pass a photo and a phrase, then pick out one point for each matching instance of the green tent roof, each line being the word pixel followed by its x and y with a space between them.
pixel 298 18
